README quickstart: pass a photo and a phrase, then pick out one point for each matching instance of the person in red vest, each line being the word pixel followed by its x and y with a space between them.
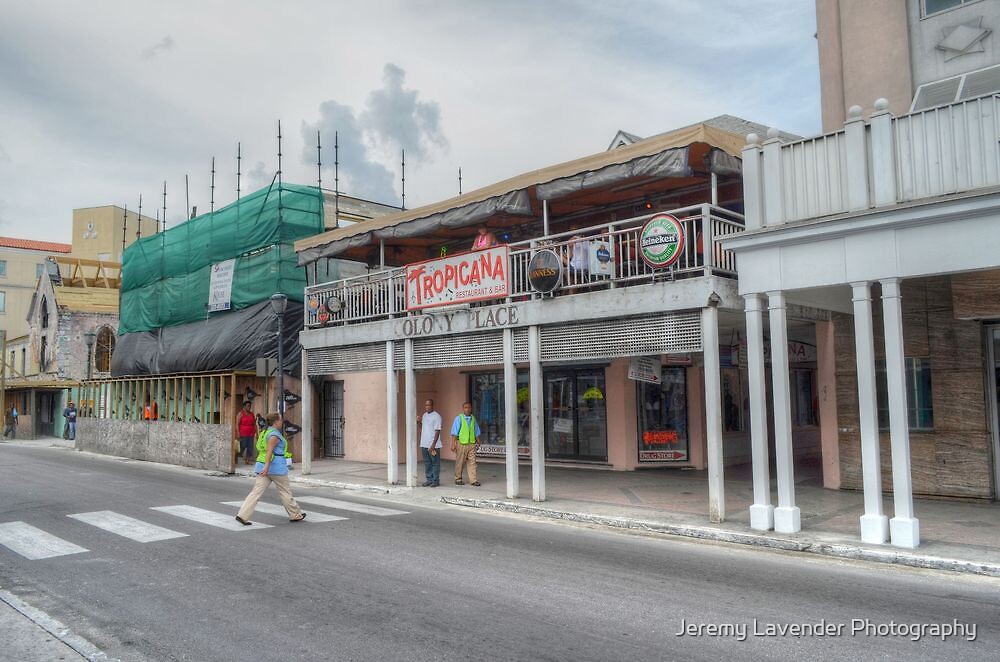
pixel 246 425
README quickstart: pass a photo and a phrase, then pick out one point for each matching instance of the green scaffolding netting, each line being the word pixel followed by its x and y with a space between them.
pixel 165 277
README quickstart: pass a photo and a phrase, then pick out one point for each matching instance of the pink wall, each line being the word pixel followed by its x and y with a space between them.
pixel 696 417
pixel 623 450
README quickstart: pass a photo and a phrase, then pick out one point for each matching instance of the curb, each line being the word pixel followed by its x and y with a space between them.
pixel 84 648
pixel 834 550
pixel 340 485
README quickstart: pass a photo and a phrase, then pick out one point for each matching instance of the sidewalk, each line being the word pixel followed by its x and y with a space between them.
pixel 956 535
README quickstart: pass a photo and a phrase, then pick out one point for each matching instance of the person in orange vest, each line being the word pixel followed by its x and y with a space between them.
pixel 149 411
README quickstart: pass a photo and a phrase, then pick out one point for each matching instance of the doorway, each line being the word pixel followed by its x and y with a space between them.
pixel 576 415
pixel 993 356
pixel 46 410
pixel 333 418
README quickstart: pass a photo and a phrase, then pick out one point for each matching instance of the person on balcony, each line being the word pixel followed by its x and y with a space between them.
pixel 485 239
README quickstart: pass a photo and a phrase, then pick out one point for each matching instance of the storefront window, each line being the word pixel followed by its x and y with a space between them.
pixel 663 434
pixel 919 402
pixel 486 392
pixel 804 403
pixel 576 414
pixel 732 400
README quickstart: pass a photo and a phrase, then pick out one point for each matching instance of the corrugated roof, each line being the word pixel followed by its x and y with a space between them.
pixel 729 142
pixel 32 245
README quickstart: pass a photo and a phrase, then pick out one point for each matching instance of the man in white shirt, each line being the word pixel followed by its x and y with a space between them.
pixel 430 444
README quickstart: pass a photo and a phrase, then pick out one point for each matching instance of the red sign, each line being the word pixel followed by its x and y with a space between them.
pixel 659 437
pixel 460 278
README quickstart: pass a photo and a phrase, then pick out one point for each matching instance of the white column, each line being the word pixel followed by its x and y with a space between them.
pixel 307 417
pixel 786 515
pixel 904 528
pixel 874 524
pixel 883 155
pixel 773 180
pixel 392 425
pixel 753 195
pixel 410 389
pixel 856 163
pixel 537 420
pixel 761 512
pixel 713 413
pixel 510 411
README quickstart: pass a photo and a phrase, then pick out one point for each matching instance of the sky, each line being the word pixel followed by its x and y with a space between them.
pixel 104 101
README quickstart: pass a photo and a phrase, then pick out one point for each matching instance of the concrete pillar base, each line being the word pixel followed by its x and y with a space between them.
pixel 761 517
pixel 787 519
pixel 875 529
pixel 905 532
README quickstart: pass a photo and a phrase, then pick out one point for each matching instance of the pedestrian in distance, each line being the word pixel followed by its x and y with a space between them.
pixel 271 467
pixel 430 444
pixel 464 442
pixel 10 423
pixel 69 413
pixel 246 425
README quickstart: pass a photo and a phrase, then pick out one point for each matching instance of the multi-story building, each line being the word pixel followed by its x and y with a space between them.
pixel 915 54
pixel 102 233
pixel 22 261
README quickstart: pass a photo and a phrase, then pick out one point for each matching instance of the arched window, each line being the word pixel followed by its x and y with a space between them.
pixel 104 349
pixel 45 313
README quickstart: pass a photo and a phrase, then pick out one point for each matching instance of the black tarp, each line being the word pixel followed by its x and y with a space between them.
pixel 226 341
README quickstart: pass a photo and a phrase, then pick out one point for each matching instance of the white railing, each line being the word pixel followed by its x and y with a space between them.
pixel 875 163
pixel 948 149
pixel 382 295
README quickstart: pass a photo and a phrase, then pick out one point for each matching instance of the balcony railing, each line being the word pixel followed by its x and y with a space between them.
pixel 382 295
pixel 881 162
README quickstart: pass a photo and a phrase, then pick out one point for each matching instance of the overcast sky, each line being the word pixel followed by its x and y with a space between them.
pixel 102 101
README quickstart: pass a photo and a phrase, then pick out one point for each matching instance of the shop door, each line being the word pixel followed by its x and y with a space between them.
pixel 576 420
pixel 993 356
pixel 333 419
pixel 46 415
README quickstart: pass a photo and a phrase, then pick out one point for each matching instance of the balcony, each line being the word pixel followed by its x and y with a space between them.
pixel 873 164
pixel 382 295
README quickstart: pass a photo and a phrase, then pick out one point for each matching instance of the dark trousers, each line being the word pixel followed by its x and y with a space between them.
pixel 432 465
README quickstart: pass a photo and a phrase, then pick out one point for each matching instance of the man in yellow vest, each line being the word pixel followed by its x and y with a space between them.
pixel 464 442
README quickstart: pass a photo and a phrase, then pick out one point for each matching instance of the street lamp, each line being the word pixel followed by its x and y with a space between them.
pixel 89 337
pixel 278 304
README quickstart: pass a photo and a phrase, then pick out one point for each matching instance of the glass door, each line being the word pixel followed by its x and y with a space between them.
pixel 576 420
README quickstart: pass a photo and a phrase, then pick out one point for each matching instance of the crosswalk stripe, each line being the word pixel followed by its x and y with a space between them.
pixel 209 517
pixel 126 526
pixel 273 509
pixel 33 543
pixel 337 504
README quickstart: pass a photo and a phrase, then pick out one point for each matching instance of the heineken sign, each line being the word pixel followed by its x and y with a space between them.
pixel 661 241
pixel 544 270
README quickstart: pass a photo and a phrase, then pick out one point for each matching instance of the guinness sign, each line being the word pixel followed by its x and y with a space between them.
pixel 545 270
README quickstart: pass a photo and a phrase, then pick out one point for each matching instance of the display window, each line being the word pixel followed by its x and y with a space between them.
pixel 486 393
pixel 576 415
pixel 662 417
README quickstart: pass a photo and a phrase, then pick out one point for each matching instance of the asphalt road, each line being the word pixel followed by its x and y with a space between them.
pixel 443 583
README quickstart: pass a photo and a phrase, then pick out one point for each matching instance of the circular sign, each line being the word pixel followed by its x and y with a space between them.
pixel 545 270
pixel 661 241
pixel 313 304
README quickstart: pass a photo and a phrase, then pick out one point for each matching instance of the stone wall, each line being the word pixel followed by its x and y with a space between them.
pixel 954 459
pixel 198 445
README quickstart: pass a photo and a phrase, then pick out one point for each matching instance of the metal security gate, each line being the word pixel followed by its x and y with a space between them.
pixel 333 419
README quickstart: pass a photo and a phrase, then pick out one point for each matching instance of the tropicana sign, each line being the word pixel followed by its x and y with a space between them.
pixel 460 278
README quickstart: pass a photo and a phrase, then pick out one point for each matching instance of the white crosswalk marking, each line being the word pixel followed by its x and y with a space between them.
pixel 209 517
pixel 337 504
pixel 273 509
pixel 126 526
pixel 33 543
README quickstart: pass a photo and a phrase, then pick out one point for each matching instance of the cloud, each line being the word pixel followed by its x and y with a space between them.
pixel 4 156
pixel 258 176
pixel 394 118
pixel 397 119
pixel 162 46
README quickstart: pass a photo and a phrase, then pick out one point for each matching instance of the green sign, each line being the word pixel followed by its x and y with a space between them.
pixel 661 241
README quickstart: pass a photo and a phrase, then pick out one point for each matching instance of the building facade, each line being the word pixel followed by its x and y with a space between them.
pixel 22 261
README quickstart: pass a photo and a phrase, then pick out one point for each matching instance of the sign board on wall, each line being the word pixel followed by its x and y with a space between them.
pixel 644 369
pixel 473 276
pixel 220 285
pixel 602 260
pixel 661 241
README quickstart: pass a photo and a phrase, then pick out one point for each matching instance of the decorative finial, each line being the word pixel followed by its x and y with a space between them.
pixel 772 133
pixel 881 104
pixel 753 139
pixel 854 112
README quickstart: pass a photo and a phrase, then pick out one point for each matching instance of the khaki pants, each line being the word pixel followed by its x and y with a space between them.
pixel 284 491
pixel 466 453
